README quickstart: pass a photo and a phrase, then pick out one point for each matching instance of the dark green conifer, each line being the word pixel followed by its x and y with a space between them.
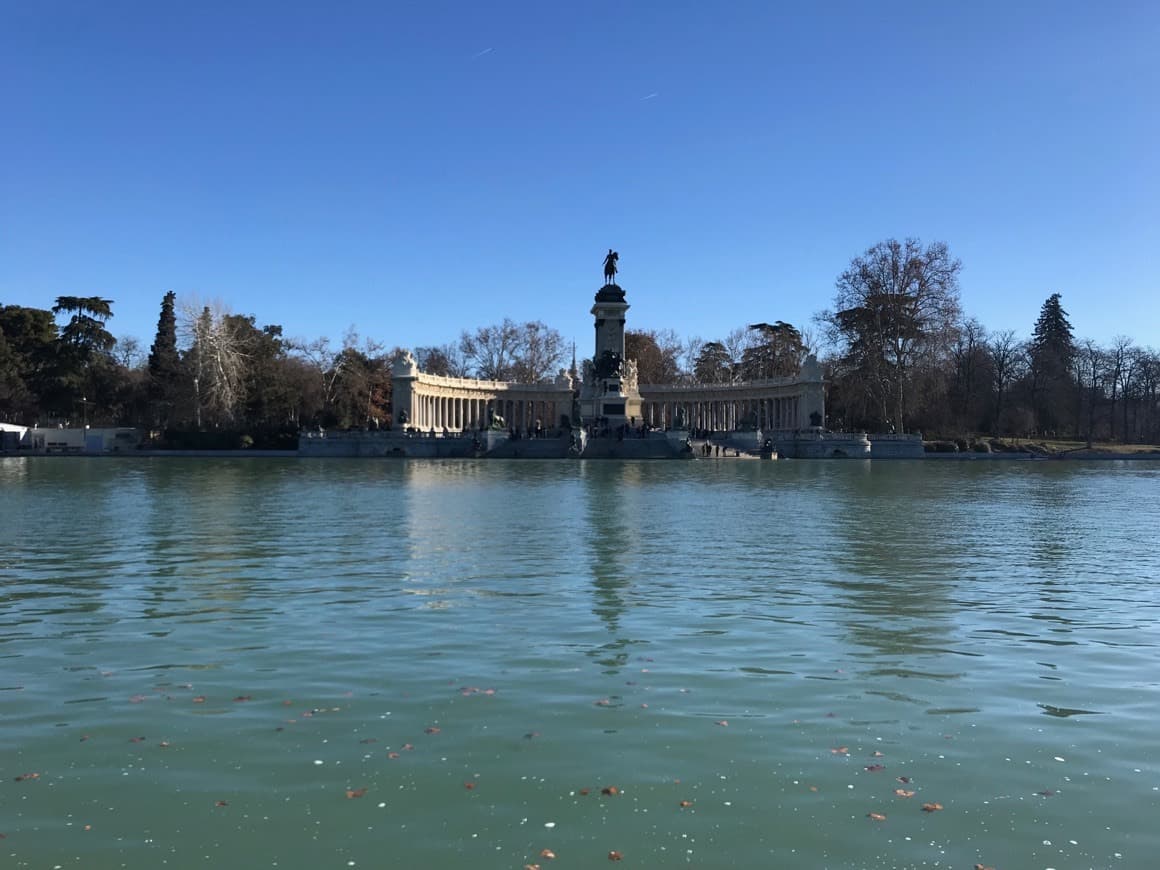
pixel 165 368
pixel 164 361
pixel 1052 343
pixel 1052 353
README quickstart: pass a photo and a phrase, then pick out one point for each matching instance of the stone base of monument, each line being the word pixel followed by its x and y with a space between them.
pixel 655 445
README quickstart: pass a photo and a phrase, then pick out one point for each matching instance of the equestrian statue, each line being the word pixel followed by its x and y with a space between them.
pixel 610 267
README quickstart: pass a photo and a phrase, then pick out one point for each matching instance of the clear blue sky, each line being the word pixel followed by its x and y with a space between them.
pixel 417 169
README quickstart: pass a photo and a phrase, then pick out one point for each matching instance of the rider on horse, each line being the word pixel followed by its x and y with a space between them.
pixel 610 266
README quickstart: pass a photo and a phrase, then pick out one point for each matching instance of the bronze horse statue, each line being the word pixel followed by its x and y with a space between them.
pixel 610 266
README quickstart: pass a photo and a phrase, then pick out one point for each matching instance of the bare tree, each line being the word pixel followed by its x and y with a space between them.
pixel 445 360
pixel 324 362
pixel 969 388
pixel 491 350
pixel 671 348
pixel 1148 379
pixel 218 360
pixel 526 353
pixel 1121 370
pixel 736 343
pixel 690 352
pixel 1007 364
pixel 129 352
pixel 539 354
pixel 1089 362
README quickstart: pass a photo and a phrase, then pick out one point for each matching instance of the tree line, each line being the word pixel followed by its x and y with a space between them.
pixel 897 351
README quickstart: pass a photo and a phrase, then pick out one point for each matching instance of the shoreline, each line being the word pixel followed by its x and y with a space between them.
pixel 1093 455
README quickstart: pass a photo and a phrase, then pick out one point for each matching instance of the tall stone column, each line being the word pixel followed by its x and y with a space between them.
pixel 611 392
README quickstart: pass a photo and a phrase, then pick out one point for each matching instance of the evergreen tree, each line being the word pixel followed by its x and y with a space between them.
pixel 165 370
pixel 85 330
pixel 1052 342
pixel 777 351
pixel 1052 353
pixel 84 355
pixel 28 365
pixel 714 364
pixel 164 361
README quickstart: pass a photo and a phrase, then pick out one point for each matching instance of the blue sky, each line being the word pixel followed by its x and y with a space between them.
pixel 416 169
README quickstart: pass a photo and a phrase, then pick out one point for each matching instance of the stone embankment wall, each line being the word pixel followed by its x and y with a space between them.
pixel 392 443
pixel 889 446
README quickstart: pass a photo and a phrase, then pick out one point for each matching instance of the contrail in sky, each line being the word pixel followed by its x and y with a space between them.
pixel 651 96
pixel 480 54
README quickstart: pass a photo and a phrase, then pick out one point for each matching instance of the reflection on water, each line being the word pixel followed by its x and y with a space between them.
pixel 608 535
pixel 236 645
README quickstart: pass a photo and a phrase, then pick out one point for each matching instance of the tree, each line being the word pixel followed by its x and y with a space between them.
pixel 895 309
pixel 1052 355
pixel 267 399
pixel 325 367
pixel 525 353
pixel 1007 365
pixel 444 360
pixel 1089 363
pixel 84 350
pixel 490 350
pixel 1132 374
pixel 363 389
pixel 776 350
pixel 540 353
pixel 128 353
pixel 656 355
pixel 1148 380
pixel 164 360
pixel 714 364
pixel 216 360
pixel 28 367
pixel 85 329
pixel 166 372
pixel 689 351
pixel 13 392
pixel 970 378
pixel 1122 362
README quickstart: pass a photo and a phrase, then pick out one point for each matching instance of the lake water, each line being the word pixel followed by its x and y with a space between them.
pixel 330 664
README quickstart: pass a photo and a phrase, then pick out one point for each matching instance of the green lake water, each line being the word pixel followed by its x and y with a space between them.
pixel 330 664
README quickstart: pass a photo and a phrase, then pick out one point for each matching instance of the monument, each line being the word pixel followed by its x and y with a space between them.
pixel 609 397
pixel 606 413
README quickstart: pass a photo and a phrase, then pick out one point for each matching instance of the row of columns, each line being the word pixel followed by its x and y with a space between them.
pixel 525 414
pixel 449 412
pixel 458 414
pixel 725 414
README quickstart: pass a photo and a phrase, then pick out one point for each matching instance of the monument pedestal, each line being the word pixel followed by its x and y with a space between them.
pixel 609 399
